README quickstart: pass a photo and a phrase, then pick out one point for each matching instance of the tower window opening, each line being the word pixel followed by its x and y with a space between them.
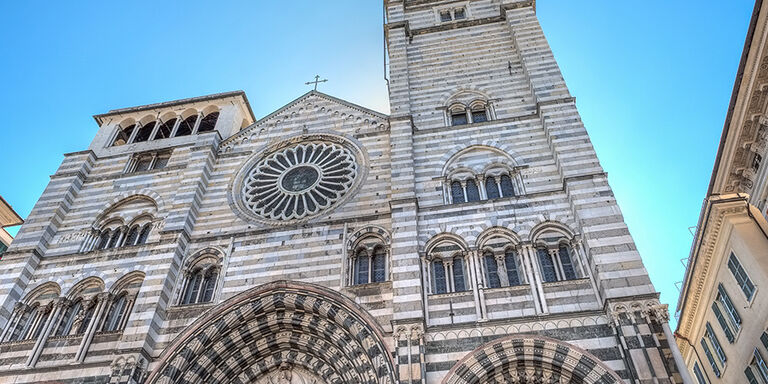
pixel 479 116
pixel 445 16
pixel 459 13
pixel 123 135
pixel 165 129
pixel 459 119
pixel 144 132
pixel 186 126
pixel 208 123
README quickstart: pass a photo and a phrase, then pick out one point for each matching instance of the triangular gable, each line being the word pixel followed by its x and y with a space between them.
pixel 359 109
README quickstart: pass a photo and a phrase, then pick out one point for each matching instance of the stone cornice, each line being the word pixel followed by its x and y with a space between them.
pixel 704 260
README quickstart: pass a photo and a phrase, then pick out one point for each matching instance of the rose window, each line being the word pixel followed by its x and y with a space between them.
pixel 299 181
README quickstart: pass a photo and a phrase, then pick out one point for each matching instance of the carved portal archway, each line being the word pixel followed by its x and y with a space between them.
pixel 286 332
pixel 530 359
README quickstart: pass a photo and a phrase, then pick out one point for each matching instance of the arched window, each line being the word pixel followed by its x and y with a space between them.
pixel 144 234
pixel 68 318
pixel 208 123
pixel 104 240
pixel 379 264
pixel 368 263
pixel 492 187
pixel 362 261
pixel 459 279
pixel 479 114
pixel 457 192
pixel 115 314
pixel 507 188
pixel 201 280
pixel 31 322
pixel 133 235
pixel 115 238
pixel 86 317
pixel 459 117
pixel 547 265
pixel 144 132
pixel 123 135
pixel 165 129
pixel 491 270
pixel 510 262
pixel 566 262
pixel 473 194
pixel 438 271
pixel 186 126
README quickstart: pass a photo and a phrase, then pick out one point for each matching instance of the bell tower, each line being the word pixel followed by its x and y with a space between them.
pixel 487 143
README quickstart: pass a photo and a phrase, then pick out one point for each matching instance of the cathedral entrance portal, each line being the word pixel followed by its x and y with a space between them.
pixel 530 359
pixel 287 374
pixel 279 333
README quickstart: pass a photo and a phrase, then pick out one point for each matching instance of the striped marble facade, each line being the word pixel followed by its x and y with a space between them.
pixel 284 293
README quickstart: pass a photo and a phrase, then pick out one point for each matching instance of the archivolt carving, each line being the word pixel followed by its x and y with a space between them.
pixel 287 374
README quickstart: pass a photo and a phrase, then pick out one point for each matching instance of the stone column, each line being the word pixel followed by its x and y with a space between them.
pixel 102 300
pixel 537 289
pixel 661 315
pixel 18 309
pixel 52 321
pixel 477 284
pixel 501 270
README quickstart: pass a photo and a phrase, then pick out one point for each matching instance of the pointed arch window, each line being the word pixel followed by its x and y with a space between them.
pixel 510 262
pixel 208 123
pixel 491 270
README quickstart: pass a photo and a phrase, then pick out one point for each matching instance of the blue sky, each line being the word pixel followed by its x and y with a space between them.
pixel 652 81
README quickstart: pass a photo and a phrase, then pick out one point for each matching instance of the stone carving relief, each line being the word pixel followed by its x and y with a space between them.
pixel 287 374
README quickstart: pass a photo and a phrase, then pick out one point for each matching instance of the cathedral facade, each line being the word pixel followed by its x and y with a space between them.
pixel 470 236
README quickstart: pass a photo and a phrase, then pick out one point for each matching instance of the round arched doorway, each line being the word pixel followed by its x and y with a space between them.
pixel 530 359
pixel 279 333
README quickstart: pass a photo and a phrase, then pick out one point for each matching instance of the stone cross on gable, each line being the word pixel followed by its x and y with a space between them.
pixel 317 81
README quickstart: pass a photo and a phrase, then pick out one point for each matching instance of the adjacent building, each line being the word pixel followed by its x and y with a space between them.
pixel 723 307
pixel 470 236
pixel 8 218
